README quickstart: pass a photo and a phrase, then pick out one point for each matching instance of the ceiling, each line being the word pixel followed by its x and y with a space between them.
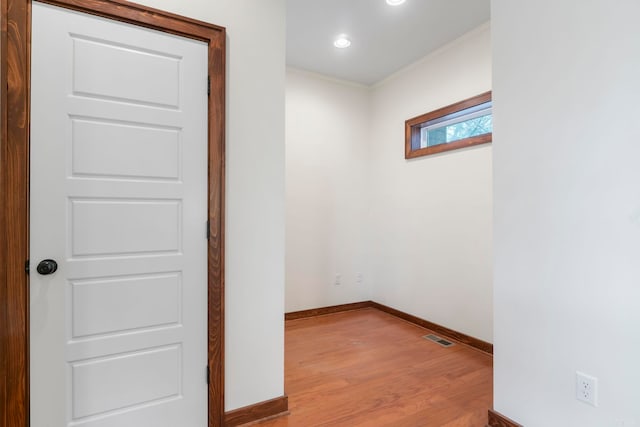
pixel 384 38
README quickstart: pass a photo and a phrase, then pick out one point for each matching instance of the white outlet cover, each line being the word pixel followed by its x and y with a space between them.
pixel 587 388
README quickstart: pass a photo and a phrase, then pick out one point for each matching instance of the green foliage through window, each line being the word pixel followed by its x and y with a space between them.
pixel 460 125
pixel 457 131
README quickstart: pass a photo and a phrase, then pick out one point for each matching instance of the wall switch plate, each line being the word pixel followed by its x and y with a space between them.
pixel 587 388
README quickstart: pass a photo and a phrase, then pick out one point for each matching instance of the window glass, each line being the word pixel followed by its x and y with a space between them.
pixel 464 124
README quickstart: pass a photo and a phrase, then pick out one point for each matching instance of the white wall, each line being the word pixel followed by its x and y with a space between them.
pixel 567 210
pixel 327 125
pixel 254 341
pixel 431 228
pixel 419 231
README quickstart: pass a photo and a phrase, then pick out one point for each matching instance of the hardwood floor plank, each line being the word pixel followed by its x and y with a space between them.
pixel 367 368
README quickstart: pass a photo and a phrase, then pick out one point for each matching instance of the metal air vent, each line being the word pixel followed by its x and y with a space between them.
pixel 436 339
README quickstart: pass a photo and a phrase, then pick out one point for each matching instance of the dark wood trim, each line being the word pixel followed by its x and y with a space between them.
pixel 439 329
pixel 15 55
pixel 327 310
pixel 267 409
pixel 14 208
pixel 216 254
pixel 143 16
pixel 463 143
pixel 412 129
pixel 470 102
pixel 498 420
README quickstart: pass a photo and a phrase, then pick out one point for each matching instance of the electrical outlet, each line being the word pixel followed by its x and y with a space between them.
pixel 337 282
pixel 587 388
pixel 359 278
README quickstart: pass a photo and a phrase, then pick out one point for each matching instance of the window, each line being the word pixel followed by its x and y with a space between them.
pixel 460 125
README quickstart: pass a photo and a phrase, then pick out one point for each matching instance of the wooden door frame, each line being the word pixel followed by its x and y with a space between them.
pixel 15 75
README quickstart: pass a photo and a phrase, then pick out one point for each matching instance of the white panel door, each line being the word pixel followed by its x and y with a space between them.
pixel 119 201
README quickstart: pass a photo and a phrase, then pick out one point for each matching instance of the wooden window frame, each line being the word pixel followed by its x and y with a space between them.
pixel 412 129
pixel 15 74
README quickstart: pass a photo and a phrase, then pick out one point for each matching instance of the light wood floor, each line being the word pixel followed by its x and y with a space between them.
pixel 368 368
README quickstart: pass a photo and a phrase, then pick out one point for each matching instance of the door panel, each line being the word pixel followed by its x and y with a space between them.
pixel 103 385
pixel 96 148
pixel 112 227
pixel 93 302
pixel 110 70
pixel 119 199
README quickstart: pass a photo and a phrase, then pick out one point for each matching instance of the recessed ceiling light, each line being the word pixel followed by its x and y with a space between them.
pixel 395 2
pixel 342 42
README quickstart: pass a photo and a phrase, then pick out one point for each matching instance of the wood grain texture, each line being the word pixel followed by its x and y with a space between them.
pixel 217 69
pixel 498 420
pixel 132 13
pixel 14 182
pixel 327 310
pixel 438 329
pixel 412 130
pixel 15 26
pixel 366 368
pixel 250 414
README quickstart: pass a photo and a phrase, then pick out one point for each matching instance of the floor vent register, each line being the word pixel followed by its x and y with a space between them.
pixel 436 339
